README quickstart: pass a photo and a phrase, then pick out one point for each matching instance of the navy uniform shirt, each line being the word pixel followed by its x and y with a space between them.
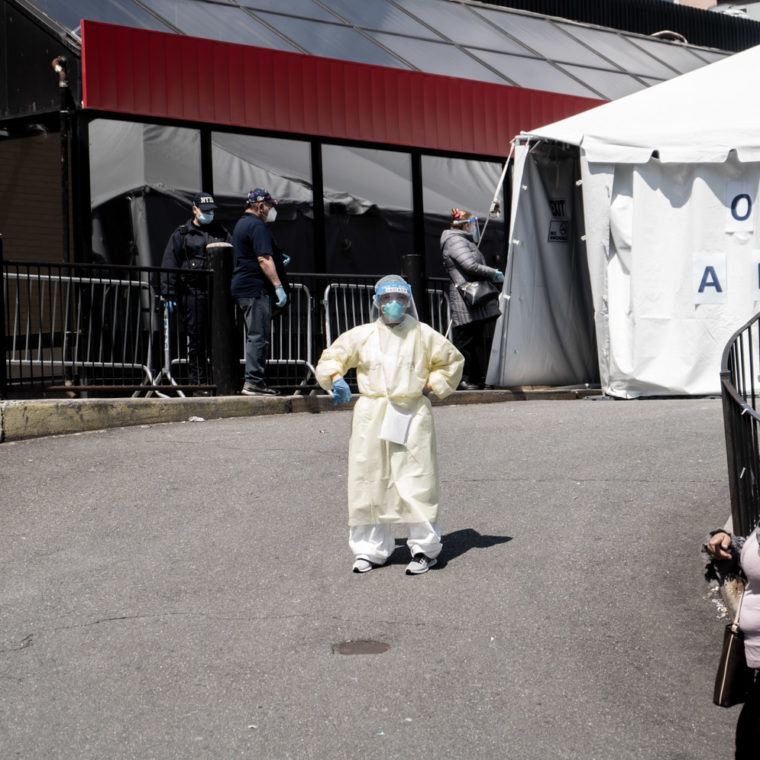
pixel 186 249
pixel 250 239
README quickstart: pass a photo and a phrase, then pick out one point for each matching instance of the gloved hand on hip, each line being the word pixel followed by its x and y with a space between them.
pixel 285 259
pixel 341 391
pixel 498 277
pixel 282 296
pixel 171 305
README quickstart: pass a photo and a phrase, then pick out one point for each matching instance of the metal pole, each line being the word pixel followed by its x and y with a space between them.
pixel 59 66
pixel 412 265
pixel 729 427
pixel 167 368
pixel 223 334
pixel 494 209
pixel 81 212
pixel 3 355
pixel 418 213
pixel 207 166
pixel 318 207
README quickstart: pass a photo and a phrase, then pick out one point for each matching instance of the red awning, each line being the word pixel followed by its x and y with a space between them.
pixel 171 76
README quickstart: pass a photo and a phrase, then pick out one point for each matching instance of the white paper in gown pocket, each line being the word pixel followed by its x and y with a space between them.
pixel 395 427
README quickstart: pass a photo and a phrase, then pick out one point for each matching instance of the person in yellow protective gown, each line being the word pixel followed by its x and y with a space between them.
pixel 392 462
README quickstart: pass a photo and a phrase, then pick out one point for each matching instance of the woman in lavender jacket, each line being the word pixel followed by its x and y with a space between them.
pixel 472 328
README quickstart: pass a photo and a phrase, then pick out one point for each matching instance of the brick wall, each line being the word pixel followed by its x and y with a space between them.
pixel 30 198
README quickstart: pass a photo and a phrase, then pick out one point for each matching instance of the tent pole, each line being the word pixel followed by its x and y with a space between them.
pixel 494 200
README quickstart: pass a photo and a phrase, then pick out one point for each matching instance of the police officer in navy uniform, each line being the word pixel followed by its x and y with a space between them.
pixel 186 249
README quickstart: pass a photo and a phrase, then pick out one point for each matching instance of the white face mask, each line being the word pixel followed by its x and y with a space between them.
pixel 271 215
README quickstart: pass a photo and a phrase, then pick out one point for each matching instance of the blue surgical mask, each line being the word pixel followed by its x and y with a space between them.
pixel 393 311
pixel 205 217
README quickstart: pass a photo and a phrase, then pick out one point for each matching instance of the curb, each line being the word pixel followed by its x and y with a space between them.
pixel 24 419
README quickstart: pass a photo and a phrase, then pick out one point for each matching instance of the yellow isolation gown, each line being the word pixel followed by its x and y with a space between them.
pixel 392 482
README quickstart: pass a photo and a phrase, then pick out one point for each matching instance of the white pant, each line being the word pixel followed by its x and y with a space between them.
pixel 376 542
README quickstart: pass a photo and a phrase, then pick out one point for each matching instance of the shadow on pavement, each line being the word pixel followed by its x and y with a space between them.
pixel 454 545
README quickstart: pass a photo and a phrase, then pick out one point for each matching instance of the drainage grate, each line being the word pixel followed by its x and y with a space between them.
pixel 361 647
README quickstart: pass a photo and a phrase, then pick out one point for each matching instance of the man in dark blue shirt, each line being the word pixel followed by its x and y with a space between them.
pixel 255 284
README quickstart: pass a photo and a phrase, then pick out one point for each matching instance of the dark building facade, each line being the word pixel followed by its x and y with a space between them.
pixel 368 147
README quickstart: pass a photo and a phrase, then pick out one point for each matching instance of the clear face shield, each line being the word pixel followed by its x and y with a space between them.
pixel 472 226
pixel 393 299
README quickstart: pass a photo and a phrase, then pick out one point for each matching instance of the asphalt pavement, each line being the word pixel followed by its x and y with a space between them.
pixel 180 590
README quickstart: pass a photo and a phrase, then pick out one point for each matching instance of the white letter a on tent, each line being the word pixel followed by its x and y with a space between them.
pixel 710 280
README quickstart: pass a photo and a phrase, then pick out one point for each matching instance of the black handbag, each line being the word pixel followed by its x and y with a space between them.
pixel 478 293
pixel 734 678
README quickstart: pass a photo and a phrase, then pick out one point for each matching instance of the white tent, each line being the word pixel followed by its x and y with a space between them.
pixel 635 251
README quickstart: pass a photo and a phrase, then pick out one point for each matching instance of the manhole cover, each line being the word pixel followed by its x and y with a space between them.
pixel 361 647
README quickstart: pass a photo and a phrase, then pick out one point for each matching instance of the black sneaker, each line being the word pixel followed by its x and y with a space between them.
pixel 258 389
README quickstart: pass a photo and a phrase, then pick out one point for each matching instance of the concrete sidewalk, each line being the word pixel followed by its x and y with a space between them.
pixel 35 418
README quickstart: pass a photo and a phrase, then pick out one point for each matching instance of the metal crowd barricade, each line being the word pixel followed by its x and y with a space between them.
pixel 98 328
pixel 193 291
pixel 165 376
pixel 347 305
pixel 291 335
pixel 739 367
pixel 173 374
pixel 291 338
pixel 68 329
pixel 439 310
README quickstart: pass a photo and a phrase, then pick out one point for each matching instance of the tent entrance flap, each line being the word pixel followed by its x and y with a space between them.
pixel 546 333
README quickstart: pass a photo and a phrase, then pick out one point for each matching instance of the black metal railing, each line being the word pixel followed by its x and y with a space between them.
pixel 103 329
pixel 738 376
pixel 78 324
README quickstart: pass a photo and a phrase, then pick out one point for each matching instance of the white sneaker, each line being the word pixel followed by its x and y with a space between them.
pixel 362 565
pixel 420 564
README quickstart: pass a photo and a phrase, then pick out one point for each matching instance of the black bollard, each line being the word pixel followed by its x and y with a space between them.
pixel 225 350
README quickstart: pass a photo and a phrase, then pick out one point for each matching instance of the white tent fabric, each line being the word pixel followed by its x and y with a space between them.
pixel 697 117
pixel 670 179
pixel 672 280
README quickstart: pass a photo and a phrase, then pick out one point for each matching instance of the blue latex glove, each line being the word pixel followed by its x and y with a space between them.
pixel 282 296
pixel 171 304
pixel 498 277
pixel 285 259
pixel 341 392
